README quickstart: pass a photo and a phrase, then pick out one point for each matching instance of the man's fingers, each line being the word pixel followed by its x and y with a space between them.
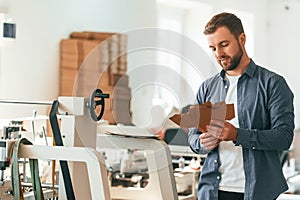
pixel 214 130
pixel 225 132
pixel 208 141
pixel 217 123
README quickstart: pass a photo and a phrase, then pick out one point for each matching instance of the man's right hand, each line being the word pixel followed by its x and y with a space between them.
pixel 208 141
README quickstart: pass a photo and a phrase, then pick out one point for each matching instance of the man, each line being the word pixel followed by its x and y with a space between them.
pixel 243 154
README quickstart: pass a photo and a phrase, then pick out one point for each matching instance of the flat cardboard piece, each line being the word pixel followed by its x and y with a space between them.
pixel 200 115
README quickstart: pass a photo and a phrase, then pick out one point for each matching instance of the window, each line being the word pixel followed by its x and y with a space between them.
pixel 185 18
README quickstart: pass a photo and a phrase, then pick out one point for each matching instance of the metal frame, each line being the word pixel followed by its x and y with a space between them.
pixel 94 161
pixel 161 184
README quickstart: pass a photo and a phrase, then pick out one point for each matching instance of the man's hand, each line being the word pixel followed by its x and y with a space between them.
pixel 209 141
pixel 223 131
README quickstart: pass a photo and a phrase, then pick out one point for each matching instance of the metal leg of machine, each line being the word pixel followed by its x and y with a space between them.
pixel 78 130
pixel 94 161
pixel 161 184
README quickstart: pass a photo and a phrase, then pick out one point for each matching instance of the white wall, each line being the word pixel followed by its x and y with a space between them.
pixel 259 8
pixel 29 65
pixel 283 44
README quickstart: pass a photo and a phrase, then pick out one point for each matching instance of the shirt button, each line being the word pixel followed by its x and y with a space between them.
pixel 218 177
pixel 253 147
pixel 215 161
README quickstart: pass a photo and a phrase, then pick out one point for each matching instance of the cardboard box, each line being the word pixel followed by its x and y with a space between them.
pixel 88 46
pixel 68 60
pixel 101 35
pixel 90 35
pixel 81 35
pixel 69 46
pixel 121 104
pixel 119 80
pixel 108 115
pixel 104 80
pixel 89 55
pixel 123 58
pixel 67 80
pixel 122 117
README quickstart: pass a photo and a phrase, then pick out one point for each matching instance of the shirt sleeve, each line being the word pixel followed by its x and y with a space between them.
pixel 280 111
pixel 194 133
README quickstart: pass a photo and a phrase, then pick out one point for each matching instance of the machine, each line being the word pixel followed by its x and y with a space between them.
pixel 153 153
pixel 82 155
pixel 143 164
pixel 75 150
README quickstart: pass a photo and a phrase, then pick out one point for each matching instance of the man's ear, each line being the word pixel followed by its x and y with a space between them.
pixel 242 38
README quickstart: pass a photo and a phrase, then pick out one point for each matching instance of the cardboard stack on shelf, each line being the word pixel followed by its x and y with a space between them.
pixel 90 60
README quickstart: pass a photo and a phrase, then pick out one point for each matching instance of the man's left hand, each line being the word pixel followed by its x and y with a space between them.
pixel 222 130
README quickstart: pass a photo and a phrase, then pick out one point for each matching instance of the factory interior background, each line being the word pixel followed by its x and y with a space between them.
pixel 30 63
pixel 164 78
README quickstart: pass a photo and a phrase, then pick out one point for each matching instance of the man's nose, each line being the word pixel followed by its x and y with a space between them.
pixel 219 52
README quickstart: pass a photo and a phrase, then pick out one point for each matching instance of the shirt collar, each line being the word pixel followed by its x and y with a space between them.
pixel 249 70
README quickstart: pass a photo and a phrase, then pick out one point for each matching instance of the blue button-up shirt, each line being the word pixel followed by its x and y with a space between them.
pixel 266 119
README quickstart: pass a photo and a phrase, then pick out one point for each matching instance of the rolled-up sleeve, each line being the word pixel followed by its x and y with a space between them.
pixel 194 141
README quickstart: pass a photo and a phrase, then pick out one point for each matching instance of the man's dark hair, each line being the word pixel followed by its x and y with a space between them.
pixel 229 20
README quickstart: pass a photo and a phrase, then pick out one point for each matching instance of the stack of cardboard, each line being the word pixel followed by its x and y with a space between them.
pixel 88 54
pixel 117 108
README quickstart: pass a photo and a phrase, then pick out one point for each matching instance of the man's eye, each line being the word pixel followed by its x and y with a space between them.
pixel 225 44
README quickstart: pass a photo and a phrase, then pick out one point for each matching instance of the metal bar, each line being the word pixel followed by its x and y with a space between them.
pixel 95 163
pixel 27 102
pixel 24 184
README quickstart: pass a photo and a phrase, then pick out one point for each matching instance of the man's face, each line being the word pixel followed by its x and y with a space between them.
pixel 226 48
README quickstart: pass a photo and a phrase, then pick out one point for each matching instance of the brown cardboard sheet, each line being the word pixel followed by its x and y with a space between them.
pixel 200 115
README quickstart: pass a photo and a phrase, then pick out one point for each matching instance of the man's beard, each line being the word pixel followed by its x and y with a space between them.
pixel 235 61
